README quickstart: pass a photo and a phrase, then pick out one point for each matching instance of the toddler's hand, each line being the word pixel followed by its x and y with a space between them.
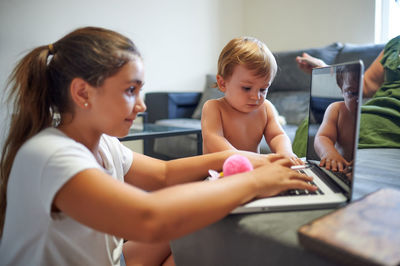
pixel 334 162
pixel 296 160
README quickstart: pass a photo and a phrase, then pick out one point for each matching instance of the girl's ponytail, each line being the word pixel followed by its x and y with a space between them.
pixel 27 89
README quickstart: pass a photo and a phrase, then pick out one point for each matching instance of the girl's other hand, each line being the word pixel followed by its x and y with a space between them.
pixel 277 177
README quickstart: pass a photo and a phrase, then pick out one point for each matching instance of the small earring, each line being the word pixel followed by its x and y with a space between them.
pixel 86 105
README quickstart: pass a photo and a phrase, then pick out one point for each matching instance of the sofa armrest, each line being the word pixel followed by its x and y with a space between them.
pixel 167 105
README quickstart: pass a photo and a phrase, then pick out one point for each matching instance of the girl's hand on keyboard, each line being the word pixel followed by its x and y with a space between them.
pixel 277 176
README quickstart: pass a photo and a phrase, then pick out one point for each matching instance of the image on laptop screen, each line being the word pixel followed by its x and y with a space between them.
pixel 332 131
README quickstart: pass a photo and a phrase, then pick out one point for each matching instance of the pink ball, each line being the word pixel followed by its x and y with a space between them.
pixel 236 164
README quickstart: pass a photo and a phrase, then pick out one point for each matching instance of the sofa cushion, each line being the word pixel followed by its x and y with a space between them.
pixel 290 76
pixel 291 105
pixel 170 104
pixel 353 52
pixel 290 130
pixel 210 92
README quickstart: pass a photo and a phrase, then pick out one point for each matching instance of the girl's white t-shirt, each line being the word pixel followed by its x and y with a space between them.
pixel 33 235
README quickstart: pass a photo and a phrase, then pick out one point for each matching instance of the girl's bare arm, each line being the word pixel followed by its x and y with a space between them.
pixel 152 174
pixel 105 204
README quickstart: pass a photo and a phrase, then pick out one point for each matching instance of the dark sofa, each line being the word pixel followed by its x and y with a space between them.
pixel 289 93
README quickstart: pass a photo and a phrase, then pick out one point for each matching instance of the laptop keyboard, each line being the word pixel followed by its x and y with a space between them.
pixel 342 176
pixel 302 192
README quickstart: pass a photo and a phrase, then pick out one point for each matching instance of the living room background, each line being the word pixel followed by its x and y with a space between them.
pixel 180 39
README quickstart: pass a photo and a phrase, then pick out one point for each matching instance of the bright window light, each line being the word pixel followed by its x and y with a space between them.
pixel 394 22
pixel 387 20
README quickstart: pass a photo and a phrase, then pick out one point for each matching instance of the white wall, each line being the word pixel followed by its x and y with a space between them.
pixel 178 38
pixel 293 24
pixel 181 39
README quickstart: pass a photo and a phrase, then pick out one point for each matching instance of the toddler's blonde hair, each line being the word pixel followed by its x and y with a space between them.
pixel 250 52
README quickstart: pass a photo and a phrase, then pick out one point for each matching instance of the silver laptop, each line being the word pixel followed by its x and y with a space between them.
pixel 338 87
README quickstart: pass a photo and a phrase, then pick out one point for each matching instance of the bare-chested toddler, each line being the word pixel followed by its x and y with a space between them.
pixel 240 119
pixel 334 140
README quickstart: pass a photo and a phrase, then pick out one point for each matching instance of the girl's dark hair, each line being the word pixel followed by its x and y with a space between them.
pixel 38 85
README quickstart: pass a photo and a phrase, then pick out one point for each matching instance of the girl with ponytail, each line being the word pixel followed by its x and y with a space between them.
pixel 71 193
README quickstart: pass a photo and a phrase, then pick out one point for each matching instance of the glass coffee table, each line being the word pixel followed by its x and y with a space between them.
pixel 148 131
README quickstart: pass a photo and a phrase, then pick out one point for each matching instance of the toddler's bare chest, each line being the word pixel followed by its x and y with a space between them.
pixel 245 130
pixel 345 131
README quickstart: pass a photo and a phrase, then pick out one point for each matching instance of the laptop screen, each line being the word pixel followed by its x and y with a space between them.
pixel 335 100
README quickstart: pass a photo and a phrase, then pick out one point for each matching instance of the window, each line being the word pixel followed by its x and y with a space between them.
pixel 387 20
